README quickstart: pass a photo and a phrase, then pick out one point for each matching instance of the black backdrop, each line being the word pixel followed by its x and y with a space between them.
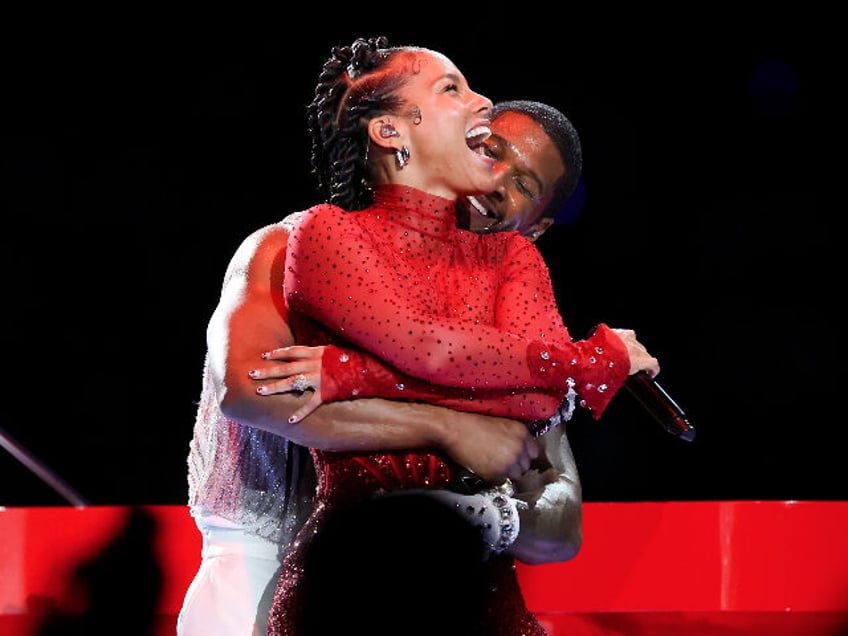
pixel 137 157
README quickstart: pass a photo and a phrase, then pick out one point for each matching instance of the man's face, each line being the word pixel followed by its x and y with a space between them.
pixel 527 169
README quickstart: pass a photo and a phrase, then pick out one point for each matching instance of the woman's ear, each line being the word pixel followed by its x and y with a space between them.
pixel 382 132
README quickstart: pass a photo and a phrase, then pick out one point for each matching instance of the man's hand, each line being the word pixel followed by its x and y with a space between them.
pixel 494 448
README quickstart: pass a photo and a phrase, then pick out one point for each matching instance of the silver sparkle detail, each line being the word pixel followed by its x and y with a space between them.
pixel 300 383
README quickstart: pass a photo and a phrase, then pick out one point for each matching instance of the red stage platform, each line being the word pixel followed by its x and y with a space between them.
pixel 670 568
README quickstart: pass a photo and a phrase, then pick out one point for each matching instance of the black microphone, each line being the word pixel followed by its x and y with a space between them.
pixel 659 404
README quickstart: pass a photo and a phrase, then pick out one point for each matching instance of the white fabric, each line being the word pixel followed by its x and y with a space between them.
pixel 494 512
pixel 232 591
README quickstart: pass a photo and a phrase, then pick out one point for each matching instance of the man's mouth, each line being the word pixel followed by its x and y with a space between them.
pixel 477 205
pixel 480 217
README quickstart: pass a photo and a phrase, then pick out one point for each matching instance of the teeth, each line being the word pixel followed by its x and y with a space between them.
pixel 478 134
pixel 479 207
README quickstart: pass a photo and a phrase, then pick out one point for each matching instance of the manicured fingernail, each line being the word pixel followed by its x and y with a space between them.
pixel 252 373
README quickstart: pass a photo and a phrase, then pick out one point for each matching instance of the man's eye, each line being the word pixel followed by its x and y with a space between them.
pixel 525 189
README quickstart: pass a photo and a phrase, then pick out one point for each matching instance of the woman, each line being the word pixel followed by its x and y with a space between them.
pixel 464 319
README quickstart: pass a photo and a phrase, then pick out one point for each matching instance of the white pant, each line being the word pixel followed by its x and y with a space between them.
pixel 232 591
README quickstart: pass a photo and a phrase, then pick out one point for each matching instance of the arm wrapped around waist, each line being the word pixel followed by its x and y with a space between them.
pixel 494 512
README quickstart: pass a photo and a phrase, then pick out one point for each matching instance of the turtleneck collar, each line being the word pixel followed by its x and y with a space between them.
pixel 415 209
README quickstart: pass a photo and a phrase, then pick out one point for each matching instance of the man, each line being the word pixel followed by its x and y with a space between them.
pixel 250 476
pixel 539 162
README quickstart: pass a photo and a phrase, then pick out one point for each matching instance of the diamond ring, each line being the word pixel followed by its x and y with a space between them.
pixel 300 383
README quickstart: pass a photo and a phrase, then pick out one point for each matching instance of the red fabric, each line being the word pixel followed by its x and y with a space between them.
pixel 450 307
pixel 455 318
pixel 349 374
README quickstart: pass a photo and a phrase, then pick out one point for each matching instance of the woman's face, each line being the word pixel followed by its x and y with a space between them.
pixel 445 145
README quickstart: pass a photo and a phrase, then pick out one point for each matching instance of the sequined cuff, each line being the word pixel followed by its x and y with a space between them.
pixel 348 373
pixel 605 369
pixel 504 531
pixel 342 374
pixel 494 512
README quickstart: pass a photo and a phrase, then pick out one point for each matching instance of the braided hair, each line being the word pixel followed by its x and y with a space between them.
pixel 562 132
pixel 355 85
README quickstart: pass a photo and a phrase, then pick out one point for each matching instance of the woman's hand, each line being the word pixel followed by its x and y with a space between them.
pixel 295 368
pixel 640 359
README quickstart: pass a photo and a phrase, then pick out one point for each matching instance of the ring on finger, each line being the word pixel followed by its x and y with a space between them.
pixel 300 383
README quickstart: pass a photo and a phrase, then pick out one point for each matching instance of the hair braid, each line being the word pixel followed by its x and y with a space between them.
pixel 353 87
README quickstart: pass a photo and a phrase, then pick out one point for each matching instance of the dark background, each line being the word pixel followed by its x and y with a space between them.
pixel 137 156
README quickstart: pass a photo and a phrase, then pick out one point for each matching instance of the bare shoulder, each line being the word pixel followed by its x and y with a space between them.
pixel 289 222
pixel 262 248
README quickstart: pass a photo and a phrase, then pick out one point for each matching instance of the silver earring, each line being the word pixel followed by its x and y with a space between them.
pixel 402 156
pixel 387 130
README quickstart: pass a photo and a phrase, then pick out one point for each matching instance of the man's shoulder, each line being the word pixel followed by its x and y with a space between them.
pixel 267 241
pixel 278 229
pixel 290 222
